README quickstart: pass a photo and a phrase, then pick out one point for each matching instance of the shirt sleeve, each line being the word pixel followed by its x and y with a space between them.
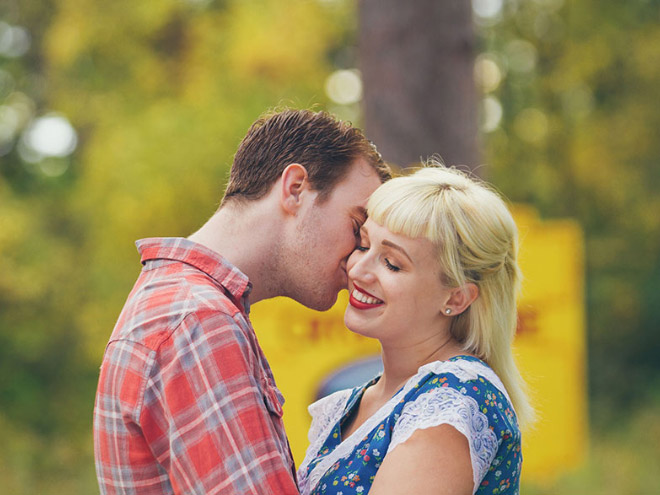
pixel 211 416
pixel 437 405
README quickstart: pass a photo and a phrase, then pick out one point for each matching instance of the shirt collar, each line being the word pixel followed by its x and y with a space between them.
pixel 202 258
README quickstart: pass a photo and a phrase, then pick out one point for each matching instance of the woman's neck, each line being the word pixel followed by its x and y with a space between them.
pixel 401 363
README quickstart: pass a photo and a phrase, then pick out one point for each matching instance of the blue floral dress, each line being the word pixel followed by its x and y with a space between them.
pixel 463 392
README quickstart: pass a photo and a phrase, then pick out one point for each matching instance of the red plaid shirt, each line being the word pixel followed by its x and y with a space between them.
pixel 186 401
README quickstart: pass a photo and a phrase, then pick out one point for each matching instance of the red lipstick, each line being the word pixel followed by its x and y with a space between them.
pixel 359 304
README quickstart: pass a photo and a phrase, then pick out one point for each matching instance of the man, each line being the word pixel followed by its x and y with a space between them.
pixel 186 401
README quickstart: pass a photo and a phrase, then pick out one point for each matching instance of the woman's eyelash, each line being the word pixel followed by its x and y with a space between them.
pixel 390 266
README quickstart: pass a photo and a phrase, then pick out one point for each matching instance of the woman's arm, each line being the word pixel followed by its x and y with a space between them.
pixel 434 461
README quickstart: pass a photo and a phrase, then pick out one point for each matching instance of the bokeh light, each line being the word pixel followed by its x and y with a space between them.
pixel 487 8
pixel 487 12
pixel 491 114
pixel 344 87
pixel 14 40
pixel 487 72
pixel 49 136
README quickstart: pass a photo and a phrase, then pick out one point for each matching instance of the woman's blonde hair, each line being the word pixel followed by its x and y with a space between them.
pixel 477 243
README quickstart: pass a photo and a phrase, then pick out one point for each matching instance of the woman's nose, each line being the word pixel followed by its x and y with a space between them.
pixel 359 267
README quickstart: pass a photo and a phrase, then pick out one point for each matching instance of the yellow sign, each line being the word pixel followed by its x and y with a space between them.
pixel 305 347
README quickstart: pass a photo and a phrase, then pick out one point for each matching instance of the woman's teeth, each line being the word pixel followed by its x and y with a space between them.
pixel 364 298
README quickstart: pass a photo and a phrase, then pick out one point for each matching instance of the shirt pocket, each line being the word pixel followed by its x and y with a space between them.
pixel 272 398
pixel 274 401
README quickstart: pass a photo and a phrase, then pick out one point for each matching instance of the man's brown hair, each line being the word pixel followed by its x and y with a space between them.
pixel 325 146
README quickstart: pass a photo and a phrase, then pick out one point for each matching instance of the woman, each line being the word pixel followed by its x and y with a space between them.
pixel 434 279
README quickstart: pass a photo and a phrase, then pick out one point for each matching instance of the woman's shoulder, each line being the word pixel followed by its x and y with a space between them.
pixel 465 393
pixel 464 373
pixel 465 378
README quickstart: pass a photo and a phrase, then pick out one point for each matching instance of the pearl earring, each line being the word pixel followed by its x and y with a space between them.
pixel 448 311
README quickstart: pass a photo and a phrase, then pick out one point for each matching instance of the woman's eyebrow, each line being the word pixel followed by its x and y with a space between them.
pixel 385 242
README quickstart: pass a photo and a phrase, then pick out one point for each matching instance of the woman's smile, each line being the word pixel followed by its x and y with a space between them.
pixel 361 299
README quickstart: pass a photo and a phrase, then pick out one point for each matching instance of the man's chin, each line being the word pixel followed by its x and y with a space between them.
pixel 320 303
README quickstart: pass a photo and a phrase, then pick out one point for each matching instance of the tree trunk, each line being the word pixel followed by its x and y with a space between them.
pixel 417 60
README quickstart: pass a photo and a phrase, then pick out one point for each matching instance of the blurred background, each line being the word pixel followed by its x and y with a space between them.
pixel 119 120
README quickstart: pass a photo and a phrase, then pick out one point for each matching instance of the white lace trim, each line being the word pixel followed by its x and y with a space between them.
pixel 449 406
pixel 325 414
pixel 328 411
pixel 465 370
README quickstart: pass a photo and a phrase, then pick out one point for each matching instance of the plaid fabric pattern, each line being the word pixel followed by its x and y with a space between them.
pixel 186 401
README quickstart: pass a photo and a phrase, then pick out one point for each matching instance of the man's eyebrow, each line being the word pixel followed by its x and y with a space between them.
pixel 385 242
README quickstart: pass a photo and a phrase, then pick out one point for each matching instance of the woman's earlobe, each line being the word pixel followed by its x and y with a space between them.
pixel 461 299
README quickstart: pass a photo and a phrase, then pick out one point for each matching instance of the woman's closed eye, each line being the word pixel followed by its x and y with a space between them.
pixel 390 266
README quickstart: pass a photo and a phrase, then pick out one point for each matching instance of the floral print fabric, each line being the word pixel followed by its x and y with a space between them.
pixel 496 467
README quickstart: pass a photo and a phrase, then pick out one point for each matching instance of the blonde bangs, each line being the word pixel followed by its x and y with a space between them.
pixel 418 206
pixel 399 206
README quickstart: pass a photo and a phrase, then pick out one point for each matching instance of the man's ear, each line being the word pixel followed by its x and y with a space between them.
pixel 294 183
pixel 460 299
